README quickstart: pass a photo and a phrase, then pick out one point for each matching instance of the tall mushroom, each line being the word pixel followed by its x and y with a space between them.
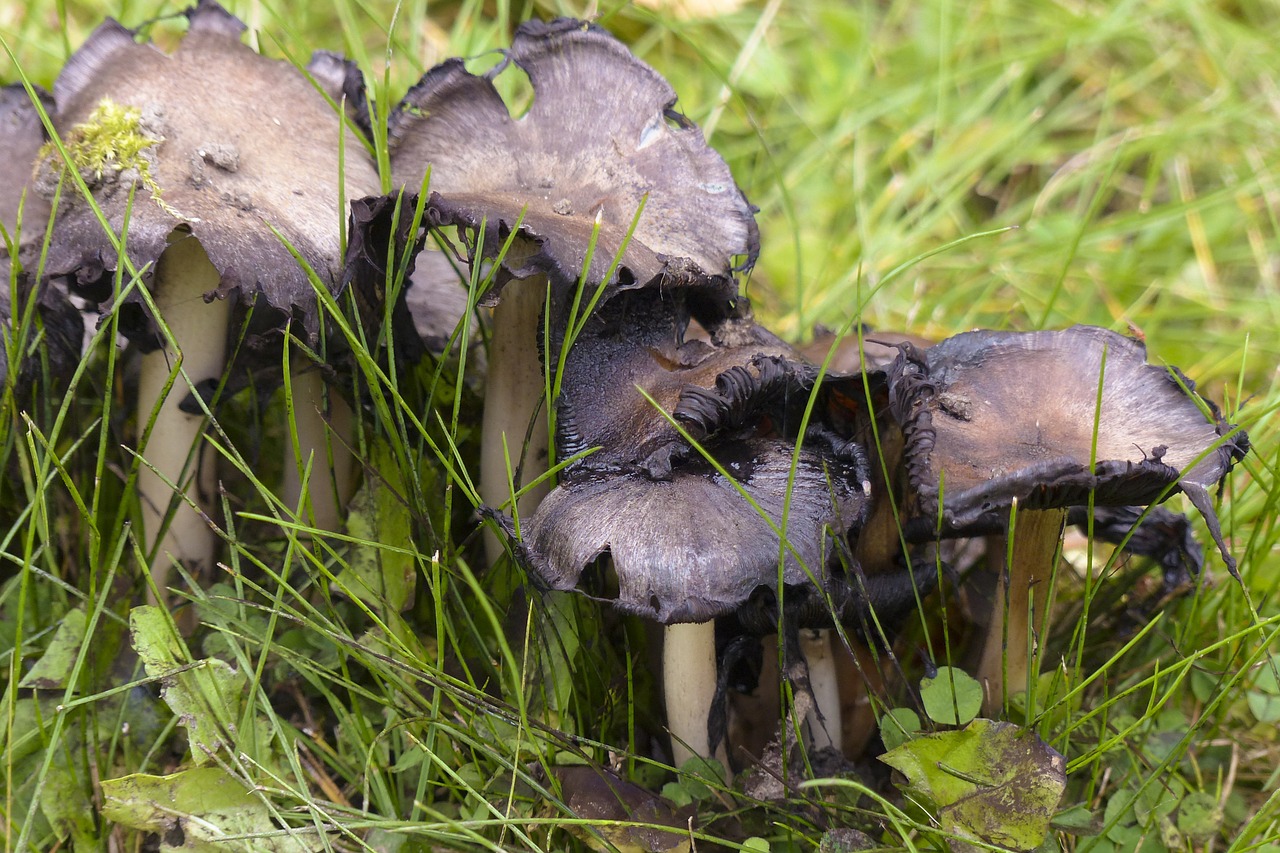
pixel 688 543
pixel 225 163
pixel 1044 421
pixel 604 185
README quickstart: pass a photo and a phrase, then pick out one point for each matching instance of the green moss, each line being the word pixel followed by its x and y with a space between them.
pixel 113 139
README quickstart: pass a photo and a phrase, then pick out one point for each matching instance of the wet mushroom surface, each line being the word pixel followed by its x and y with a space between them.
pixel 685 542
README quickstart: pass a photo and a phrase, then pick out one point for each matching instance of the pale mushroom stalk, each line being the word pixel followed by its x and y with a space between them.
pixel 183 275
pixel 325 429
pixel 513 396
pixel 824 722
pixel 1019 615
pixel 689 686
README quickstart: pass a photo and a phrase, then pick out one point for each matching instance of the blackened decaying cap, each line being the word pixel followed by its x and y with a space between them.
pixel 991 417
pixel 600 139
pixel 858 349
pixel 234 145
pixel 691 548
pixel 382 252
pixel 22 134
pixel 637 340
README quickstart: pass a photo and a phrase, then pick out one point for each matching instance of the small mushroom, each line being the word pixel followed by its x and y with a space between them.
pixel 225 163
pixel 1022 426
pixel 688 543
pixel 601 159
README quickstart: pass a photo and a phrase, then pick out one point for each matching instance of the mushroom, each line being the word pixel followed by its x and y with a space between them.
pixel 685 541
pixel 23 217
pixel 600 184
pixel 226 163
pixel 1022 426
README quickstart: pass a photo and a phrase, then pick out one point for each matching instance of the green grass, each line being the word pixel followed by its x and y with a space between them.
pixel 383 689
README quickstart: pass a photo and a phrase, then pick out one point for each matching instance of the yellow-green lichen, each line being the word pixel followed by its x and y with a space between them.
pixel 112 140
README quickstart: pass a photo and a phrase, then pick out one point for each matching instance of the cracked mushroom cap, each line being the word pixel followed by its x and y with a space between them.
pixel 991 417
pixel 600 139
pixel 21 135
pixel 215 140
pixel 686 545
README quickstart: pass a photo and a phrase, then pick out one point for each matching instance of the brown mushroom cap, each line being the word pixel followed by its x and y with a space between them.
pixel 234 146
pixel 600 139
pixel 991 417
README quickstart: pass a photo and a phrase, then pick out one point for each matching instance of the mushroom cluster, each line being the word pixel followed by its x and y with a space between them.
pixel 645 441
pixel 706 469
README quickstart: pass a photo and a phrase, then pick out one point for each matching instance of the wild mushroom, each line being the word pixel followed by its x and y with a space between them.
pixel 225 163
pixel 685 541
pixel 1043 421
pixel 23 217
pixel 604 185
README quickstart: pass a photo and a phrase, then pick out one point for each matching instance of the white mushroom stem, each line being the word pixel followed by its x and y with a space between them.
pixel 861 677
pixel 174 448
pixel 824 719
pixel 330 485
pixel 1020 618
pixel 513 394
pixel 689 687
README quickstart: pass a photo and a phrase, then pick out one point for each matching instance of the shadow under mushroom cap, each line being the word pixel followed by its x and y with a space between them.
pixel 991 417
pixel 600 140
pixel 692 548
pixel 232 145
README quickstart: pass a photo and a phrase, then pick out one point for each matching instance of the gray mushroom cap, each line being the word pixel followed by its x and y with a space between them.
pixel 686 544
pixel 22 133
pixel 600 139
pixel 991 417
pixel 691 548
pixel 234 145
